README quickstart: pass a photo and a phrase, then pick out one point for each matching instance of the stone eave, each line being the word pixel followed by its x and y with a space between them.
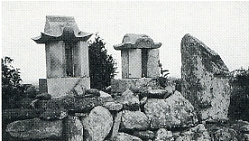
pixel 134 46
pixel 67 34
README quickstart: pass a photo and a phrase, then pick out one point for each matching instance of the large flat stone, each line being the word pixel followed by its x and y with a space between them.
pixel 35 129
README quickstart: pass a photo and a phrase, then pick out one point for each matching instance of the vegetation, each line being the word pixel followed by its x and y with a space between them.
pixel 102 65
pixel 12 90
pixel 239 105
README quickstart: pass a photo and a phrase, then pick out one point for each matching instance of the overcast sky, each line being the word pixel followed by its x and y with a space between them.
pixel 223 26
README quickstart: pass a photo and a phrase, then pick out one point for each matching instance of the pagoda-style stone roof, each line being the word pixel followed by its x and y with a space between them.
pixel 61 28
pixel 137 41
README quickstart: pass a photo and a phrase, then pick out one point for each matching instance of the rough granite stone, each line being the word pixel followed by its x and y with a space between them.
pixel 198 133
pixel 121 85
pixel 144 135
pixel 134 120
pixel 97 124
pixel 129 100
pixel 73 129
pixel 205 79
pixel 164 135
pixel 125 137
pixel 175 111
pixel 35 129
pixel 113 106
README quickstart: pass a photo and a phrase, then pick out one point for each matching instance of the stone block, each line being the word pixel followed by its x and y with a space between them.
pixel 121 85
pixel 59 87
pixel 35 129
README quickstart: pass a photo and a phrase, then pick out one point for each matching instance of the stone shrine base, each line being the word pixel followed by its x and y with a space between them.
pixel 58 87
pixel 121 85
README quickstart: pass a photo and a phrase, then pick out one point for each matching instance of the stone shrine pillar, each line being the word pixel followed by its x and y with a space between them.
pixel 140 61
pixel 140 56
pixel 67 61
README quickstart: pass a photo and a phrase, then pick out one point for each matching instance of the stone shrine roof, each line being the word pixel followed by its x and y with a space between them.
pixel 137 41
pixel 61 28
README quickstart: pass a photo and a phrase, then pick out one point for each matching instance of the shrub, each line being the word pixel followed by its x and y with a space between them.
pixel 102 65
pixel 239 103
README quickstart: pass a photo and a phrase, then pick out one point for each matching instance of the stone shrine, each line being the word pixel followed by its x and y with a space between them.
pixel 140 62
pixel 67 61
pixel 140 56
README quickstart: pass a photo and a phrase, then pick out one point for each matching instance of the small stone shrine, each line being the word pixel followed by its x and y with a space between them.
pixel 67 61
pixel 140 62
pixel 140 56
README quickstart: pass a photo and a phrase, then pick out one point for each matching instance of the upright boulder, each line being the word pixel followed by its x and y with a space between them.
pixel 205 79
pixel 97 124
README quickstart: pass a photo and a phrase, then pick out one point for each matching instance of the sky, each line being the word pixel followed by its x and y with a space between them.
pixel 222 26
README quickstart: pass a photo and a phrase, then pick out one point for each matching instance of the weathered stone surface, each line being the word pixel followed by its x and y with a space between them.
pixel 134 120
pixel 56 108
pixel 205 81
pixel 94 92
pixel 241 126
pixel 116 124
pixel 73 129
pixel 43 96
pixel 129 100
pixel 158 93
pixel 170 89
pixel 143 100
pixel 18 114
pixel 153 69
pixel 54 114
pixel 164 135
pixel 98 124
pixel 125 137
pixel 35 129
pixel 198 133
pixel 105 97
pixel 175 111
pixel 144 135
pixel 137 41
pixel 221 133
pixel 86 104
pixel 113 106
pixel 79 90
pixel 121 85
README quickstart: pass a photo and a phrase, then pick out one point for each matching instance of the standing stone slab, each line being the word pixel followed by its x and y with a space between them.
pixel 73 129
pixel 35 129
pixel 116 124
pixel 175 111
pixel 205 79
pixel 98 124
pixel 153 69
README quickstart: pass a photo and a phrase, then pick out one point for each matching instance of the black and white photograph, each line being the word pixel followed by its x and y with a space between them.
pixel 125 70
